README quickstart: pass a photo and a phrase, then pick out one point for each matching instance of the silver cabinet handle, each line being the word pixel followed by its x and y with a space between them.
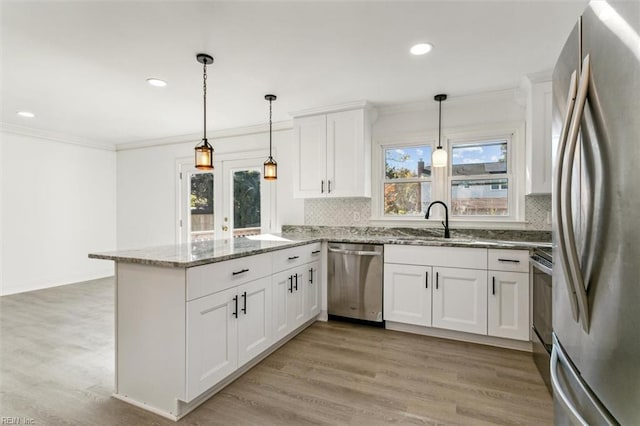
pixel 557 192
pixel 577 279
pixel 355 252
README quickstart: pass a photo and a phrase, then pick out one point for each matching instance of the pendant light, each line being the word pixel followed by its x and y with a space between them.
pixel 204 151
pixel 439 157
pixel 270 166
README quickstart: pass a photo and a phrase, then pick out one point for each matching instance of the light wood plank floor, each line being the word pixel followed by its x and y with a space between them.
pixel 58 361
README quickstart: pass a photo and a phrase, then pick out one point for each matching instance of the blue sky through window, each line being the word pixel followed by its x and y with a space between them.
pixel 479 154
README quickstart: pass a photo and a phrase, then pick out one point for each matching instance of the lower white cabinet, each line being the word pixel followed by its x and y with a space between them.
pixel 312 292
pixel 508 303
pixel 460 299
pixel 288 301
pixel 212 340
pixel 224 331
pixel 407 293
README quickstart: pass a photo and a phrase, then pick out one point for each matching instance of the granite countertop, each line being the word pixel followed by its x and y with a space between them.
pixel 203 252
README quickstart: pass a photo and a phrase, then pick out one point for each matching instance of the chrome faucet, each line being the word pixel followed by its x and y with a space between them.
pixel 446 216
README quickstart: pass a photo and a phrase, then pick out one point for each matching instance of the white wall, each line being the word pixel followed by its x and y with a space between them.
pixel 146 186
pixel 58 205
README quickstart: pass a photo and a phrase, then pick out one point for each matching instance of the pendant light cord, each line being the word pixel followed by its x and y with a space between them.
pixel 204 91
pixel 270 130
pixel 439 123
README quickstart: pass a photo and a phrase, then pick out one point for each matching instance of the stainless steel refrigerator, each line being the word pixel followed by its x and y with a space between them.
pixel 595 363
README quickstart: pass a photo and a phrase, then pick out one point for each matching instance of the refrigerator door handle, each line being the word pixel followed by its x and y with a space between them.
pixel 576 418
pixel 559 357
pixel 575 271
pixel 557 193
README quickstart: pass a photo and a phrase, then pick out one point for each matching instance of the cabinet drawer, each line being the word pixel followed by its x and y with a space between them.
pixel 452 257
pixel 214 277
pixel 509 260
pixel 294 256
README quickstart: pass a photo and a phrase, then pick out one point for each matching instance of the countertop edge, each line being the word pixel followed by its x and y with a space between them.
pixel 303 240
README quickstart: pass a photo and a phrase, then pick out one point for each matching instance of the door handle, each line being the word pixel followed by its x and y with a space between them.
pixel 296 286
pixel 310 275
pixel 290 283
pixel 293 257
pixel 426 279
pixel 493 286
pixel 577 280
pixel 315 252
pixel 240 272
pixel 329 186
pixel 508 260
pixel 244 307
pixel 436 280
pixel 235 300
pixel 322 187
pixel 558 190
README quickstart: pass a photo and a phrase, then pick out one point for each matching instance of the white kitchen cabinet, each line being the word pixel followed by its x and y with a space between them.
pixel 255 330
pixel 407 293
pixel 312 292
pixel 224 331
pixel 212 340
pixel 333 153
pixel 460 299
pixel 539 166
pixel 508 305
pixel 288 301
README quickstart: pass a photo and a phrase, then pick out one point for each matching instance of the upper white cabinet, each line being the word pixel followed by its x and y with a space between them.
pixel 333 152
pixel 539 138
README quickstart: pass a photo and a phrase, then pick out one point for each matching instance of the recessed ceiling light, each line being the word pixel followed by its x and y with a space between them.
pixel 156 82
pixel 26 114
pixel 421 49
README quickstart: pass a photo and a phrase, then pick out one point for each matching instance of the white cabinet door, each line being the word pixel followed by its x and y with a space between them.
pixel 348 156
pixel 311 157
pixel 539 165
pixel 212 340
pixel 508 305
pixel 312 291
pixel 282 287
pixel 296 297
pixel 255 328
pixel 460 299
pixel 407 293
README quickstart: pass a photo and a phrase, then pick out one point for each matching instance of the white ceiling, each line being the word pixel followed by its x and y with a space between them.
pixel 81 66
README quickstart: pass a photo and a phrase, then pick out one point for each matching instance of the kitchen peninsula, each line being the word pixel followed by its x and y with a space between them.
pixel 192 318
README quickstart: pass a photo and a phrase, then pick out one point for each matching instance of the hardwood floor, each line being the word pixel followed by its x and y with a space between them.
pixel 58 367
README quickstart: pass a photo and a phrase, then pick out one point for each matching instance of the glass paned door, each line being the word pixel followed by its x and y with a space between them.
pixel 246 202
pixel 198 206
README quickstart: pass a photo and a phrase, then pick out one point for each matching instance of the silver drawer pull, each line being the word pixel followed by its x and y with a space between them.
pixel 508 260
pixel 240 272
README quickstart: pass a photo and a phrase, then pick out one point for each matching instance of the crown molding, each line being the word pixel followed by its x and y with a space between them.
pixel 427 105
pixel 196 137
pixel 332 108
pixel 55 137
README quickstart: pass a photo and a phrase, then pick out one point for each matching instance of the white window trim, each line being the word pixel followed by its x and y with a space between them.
pixel 440 177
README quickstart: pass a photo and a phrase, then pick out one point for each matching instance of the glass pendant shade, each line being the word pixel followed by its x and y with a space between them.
pixel 204 156
pixel 270 169
pixel 439 157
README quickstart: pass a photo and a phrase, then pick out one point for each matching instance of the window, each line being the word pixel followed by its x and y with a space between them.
pixel 407 180
pixel 480 177
pixel 483 182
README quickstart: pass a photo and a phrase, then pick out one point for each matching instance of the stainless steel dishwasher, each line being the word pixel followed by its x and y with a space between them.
pixel 355 282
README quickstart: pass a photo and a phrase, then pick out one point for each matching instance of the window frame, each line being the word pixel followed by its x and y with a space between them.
pixel 508 176
pixel 384 179
pixel 440 176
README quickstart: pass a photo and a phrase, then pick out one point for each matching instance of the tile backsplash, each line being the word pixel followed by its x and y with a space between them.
pixel 357 211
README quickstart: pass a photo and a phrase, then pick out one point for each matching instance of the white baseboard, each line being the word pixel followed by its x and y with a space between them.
pixel 460 336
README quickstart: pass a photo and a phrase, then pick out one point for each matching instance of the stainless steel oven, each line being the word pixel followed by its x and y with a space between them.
pixel 542 311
